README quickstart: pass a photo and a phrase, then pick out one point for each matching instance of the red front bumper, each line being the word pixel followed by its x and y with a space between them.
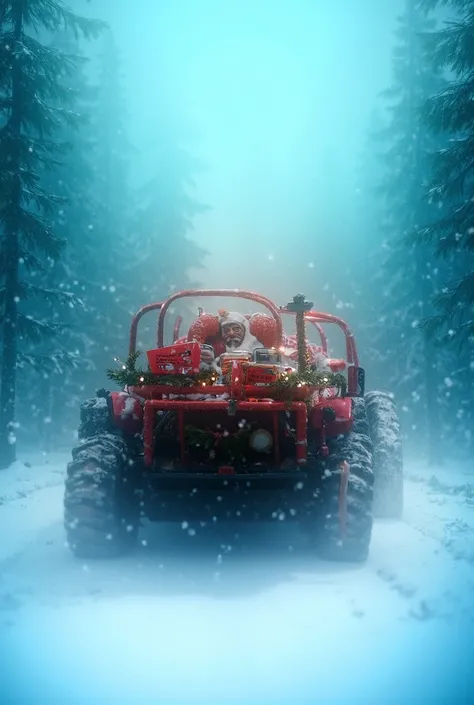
pixel 152 406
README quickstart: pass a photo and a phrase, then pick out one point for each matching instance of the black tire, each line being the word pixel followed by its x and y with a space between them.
pixel 386 437
pixel 95 416
pixel 349 540
pixel 101 509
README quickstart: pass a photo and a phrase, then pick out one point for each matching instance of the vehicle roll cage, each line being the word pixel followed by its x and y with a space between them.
pixel 313 317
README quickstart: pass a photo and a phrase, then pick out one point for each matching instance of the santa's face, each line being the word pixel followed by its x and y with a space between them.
pixel 233 334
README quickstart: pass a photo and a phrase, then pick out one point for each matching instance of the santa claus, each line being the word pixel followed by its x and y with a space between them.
pixel 235 332
pixel 230 332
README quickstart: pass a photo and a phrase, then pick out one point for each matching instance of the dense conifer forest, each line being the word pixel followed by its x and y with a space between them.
pixel 83 243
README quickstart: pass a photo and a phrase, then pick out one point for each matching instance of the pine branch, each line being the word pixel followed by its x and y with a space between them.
pixel 59 363
pixel 27 258
pixel 54 16
pixel 28 291
pixel 36 331
pixel 458 296
pixel 451 232
pixel 452 109
pixel 453 171
pixel 35 230
pixel 44 62
pixel 32 150
pixel 429 5
pixel 455 303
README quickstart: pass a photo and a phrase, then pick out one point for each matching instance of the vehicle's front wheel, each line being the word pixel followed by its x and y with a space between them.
pixel 101 511
pixel 345 522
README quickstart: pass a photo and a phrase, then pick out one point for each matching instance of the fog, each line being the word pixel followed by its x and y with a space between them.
pixel 275 99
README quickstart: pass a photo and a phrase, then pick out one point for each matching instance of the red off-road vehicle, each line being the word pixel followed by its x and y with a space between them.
pixel 264 434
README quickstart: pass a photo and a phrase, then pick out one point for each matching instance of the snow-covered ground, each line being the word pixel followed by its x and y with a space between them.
pixel 215 620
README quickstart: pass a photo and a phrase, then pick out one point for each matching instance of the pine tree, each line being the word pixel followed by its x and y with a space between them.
pixel 167 207
pixel 96 226
pixel 31 88
pixel 109 285
pixel 451 113
pixel 54 409
pixel 407 276
pixel 165 217
pixel 368 259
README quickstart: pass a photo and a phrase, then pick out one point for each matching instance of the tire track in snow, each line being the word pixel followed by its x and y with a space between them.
pixel 447 518
pixel 418 564
pixel 411 573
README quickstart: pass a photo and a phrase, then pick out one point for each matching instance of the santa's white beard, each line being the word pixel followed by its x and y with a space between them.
pixel 233 344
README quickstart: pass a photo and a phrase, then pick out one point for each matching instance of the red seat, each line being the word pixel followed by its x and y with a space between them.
pixel 206 330
pixel 337 365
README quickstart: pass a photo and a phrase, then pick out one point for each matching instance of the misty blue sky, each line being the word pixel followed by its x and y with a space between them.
pixel 278 95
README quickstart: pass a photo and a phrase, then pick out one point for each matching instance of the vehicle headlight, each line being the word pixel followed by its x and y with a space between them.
pixel 261 440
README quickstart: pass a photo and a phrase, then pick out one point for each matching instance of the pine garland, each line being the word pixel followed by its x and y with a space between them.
pixel 131 376
pixel 283 388
pixel 289 382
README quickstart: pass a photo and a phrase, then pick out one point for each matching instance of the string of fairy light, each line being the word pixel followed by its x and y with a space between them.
pixel 130 376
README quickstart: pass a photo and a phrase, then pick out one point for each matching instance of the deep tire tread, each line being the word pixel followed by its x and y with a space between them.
pixel 101 514
pixel 355 448
pixel 388 458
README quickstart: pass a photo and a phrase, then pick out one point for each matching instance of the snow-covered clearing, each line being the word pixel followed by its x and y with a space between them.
pixel 215 620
